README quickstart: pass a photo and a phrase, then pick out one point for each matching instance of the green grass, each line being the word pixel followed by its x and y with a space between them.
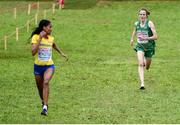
pixel 100 83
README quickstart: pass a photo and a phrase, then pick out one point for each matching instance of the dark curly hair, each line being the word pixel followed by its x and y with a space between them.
pixel 38 29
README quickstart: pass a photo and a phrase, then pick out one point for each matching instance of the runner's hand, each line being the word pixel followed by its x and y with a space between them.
pixel 42 34
pixel 131 42
pixel 65 56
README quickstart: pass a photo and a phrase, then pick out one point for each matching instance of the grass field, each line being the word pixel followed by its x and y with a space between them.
pixel 99 84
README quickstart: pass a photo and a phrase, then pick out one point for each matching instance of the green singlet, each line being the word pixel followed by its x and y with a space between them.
pixel 147 46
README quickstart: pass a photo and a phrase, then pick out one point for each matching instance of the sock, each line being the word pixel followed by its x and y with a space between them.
pixel 142 84
pixel 45 107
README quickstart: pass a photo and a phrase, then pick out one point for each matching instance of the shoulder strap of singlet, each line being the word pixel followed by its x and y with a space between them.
pixel 137 24
pixel 147 23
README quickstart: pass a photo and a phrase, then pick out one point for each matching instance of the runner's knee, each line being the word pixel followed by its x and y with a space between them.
pixel 46 82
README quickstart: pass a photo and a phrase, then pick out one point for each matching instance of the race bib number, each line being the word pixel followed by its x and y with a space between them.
pixel 139 37
pixel 44 54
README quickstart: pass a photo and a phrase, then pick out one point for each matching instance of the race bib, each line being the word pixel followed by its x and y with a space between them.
pixel 44 54
pixel 140 35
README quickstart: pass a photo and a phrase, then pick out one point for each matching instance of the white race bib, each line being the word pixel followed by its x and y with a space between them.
pixel 44 54
pixel 140 35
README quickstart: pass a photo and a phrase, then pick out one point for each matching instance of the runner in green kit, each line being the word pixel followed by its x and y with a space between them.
pixel 146 34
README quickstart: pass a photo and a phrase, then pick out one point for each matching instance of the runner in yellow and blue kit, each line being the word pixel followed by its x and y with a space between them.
pixel 42 44
pixel 146 35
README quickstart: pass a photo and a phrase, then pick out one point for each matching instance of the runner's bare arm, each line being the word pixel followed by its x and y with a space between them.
pixel 154 37
pixel 57 48
pixel 35 47
pixel 132 37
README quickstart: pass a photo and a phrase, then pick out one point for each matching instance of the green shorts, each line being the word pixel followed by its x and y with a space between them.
pixel 147 48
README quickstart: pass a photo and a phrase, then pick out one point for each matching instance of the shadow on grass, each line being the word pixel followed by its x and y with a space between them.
pixel 86 4
pixel 80 4
pixel 77 4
